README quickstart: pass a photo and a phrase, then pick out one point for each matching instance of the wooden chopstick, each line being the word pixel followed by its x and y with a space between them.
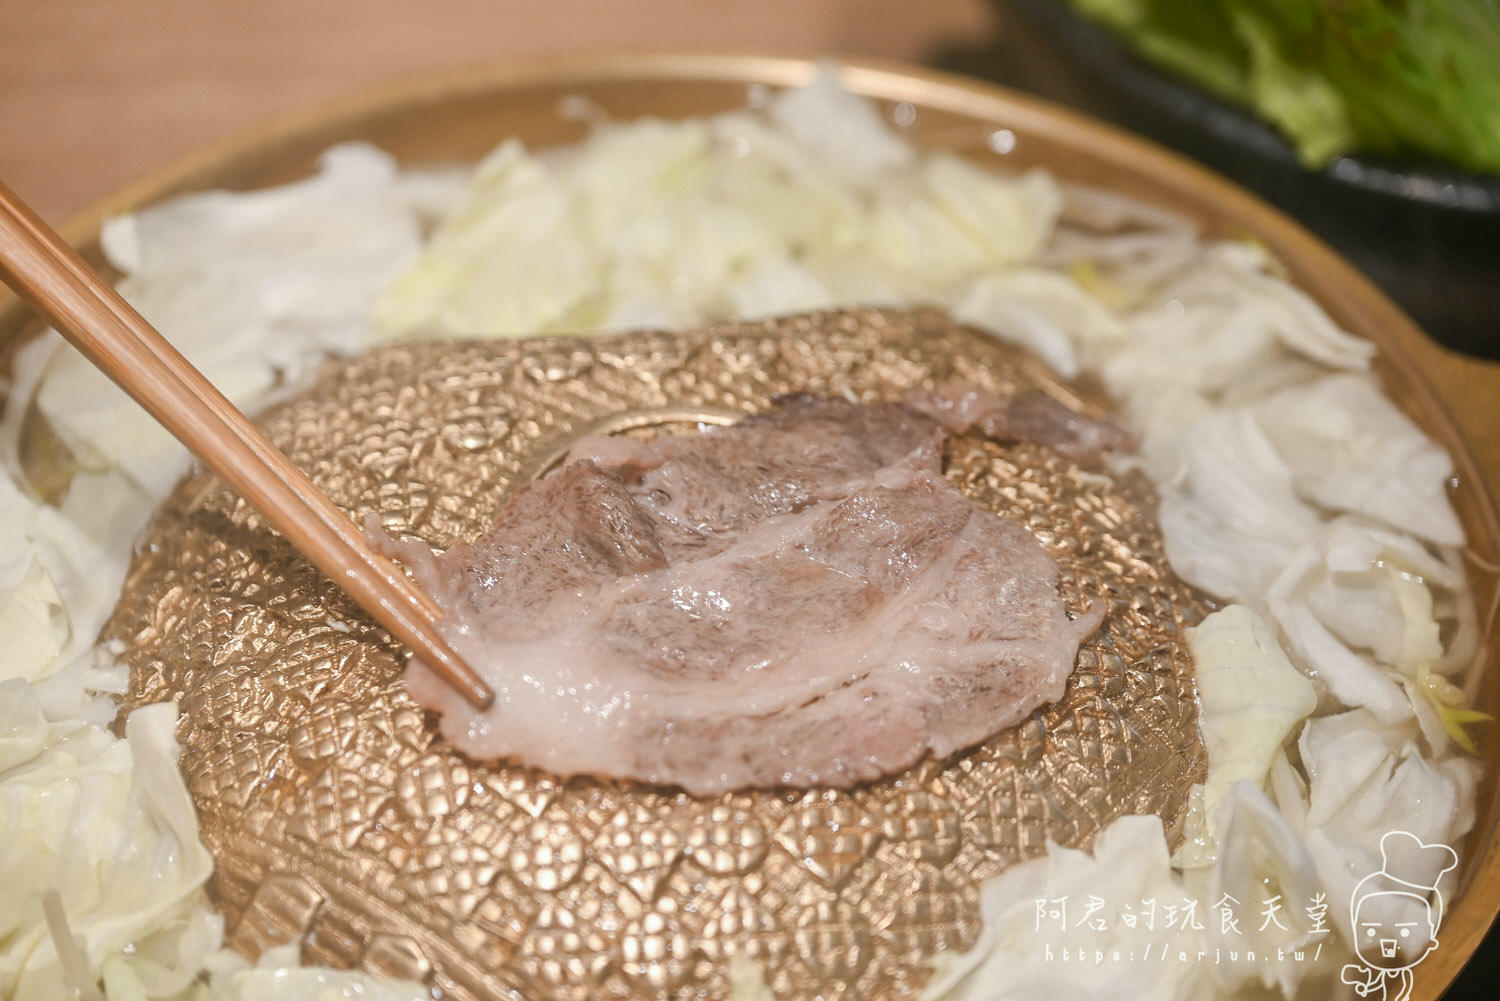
pixel 50 275
pixel 269 454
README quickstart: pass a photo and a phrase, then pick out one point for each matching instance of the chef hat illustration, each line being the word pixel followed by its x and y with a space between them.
pixel 1409 865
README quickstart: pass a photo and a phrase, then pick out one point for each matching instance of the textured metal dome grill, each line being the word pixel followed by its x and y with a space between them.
pixel 336 814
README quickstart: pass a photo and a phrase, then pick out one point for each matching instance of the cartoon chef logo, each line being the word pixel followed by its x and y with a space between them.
pixel 1395 915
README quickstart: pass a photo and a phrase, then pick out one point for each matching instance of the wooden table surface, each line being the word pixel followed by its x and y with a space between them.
pixel 94 93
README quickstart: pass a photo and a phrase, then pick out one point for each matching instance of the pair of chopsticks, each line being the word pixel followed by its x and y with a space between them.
pixel 40 266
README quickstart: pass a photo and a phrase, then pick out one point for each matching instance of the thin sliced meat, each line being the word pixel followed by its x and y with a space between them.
pixel 1028 416
pixel 798 599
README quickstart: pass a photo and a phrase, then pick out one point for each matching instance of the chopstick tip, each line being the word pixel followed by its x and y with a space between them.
pixel 480 697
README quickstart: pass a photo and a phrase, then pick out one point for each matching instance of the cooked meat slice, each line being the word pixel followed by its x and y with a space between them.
pixel 798 599
pixel 1029 416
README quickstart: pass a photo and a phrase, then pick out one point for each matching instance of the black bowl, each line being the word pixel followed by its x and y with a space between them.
pixel 1428 234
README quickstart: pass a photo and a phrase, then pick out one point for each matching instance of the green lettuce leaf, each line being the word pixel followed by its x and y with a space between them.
pixel 1415 77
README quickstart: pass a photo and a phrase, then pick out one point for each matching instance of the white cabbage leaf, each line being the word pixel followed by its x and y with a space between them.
pixel 760 164
pixel 1278 306
pixel 510 258
pixel 655 223
pixel 1351 449
pixel 1206 330
pixel 33 619
pixel 290 273
pixel 1251 699
pixel 843 131
pixel 1200 334
pixel 24 728
pixel 1374 593
pixel 1213 322
pixel 774 287
pixel 1357 605
pixel 1263 865
pixel 1043 310
pixel 1351 678
pixel 1366 777
pixel 1129 864
pixel 107 826
pixel 1124 269
pixel 951 220
pixel 64 572
pixel 1020 954
pixel 1230 517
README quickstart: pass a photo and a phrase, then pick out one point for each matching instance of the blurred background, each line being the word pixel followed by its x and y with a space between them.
pixel 1374 122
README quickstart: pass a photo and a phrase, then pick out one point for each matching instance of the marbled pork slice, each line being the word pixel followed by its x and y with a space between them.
pixel 798 599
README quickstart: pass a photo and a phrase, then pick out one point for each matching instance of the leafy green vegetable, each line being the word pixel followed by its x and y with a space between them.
pixel 1388 76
